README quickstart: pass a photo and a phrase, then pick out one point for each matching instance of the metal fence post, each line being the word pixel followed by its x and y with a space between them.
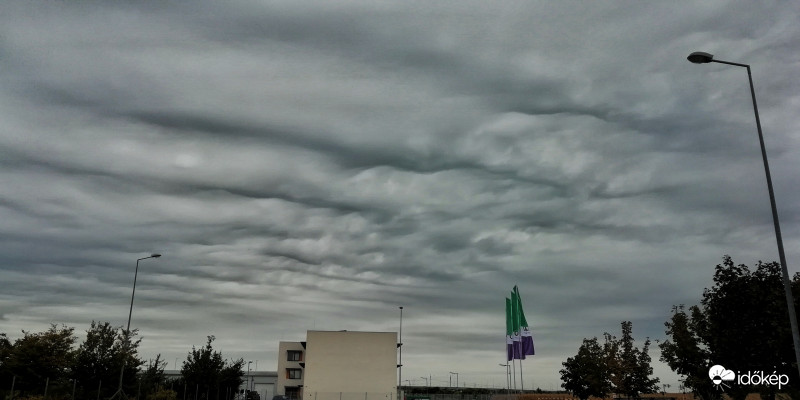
pixel 13 381
pixel 46 384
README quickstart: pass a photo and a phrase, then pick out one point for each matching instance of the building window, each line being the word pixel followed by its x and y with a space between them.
pixel 293 393
pixel 295 355
pixel 293 373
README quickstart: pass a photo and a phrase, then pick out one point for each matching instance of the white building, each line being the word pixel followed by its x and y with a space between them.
pixel 339 365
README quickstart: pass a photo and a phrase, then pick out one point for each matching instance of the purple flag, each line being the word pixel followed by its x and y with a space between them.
pixel 527 342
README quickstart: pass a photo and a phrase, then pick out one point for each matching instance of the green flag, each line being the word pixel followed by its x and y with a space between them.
pixel 527 335
pixel 516 348
pixel 520 314
pixel 509 326
pixel 515 322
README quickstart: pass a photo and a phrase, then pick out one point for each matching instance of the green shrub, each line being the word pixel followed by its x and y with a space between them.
pixel 163 394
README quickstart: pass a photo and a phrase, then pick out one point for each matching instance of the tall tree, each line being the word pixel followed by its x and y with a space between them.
pixel 741 324
pixel 230 378
pixel 686 352
pixel 617 366
pixel 206 373
pixel 587 373
pixel 100 357
pixel 748 326
pixel 631 368
pixel 152 379
pixel 5 352
pixel 41 358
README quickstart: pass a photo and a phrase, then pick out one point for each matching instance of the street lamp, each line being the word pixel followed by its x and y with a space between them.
pixel 128 329
pixel 508 376
pixel 700 57
pixel 248 375
pixel 400 362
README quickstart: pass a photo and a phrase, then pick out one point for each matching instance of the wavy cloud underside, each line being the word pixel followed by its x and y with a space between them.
pixel 304 166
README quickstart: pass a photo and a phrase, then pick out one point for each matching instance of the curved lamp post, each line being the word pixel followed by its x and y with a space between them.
pixel 700 57
pixel 128 329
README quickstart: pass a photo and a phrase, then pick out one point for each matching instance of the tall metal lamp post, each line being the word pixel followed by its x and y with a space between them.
pixel 248 376
pixel 700 57
pixel 400 362
pixel 119 391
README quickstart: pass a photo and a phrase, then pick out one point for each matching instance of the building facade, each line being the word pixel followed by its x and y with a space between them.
pixel 291 363
pixel 339 365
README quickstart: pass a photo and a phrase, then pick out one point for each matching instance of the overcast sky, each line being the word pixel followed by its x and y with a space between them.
pixel 316 165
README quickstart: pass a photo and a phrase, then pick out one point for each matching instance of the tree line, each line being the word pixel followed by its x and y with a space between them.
pixel 741 323
pixel 48 364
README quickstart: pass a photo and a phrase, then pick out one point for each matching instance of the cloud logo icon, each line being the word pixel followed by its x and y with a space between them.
pixel 719 374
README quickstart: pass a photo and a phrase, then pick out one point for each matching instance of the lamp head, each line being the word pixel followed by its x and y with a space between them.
pixel 699 57
pixel 155 255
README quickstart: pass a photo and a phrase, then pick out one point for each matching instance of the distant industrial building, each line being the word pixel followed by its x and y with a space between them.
pixel 262 382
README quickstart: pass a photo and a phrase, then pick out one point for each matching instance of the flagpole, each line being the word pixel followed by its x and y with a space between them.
pixel 514 366
pixel 525 338
pixel 508 378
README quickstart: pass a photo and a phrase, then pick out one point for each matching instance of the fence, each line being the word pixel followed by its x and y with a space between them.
pixel 47 388
pixel 453 396
pixel 349 396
